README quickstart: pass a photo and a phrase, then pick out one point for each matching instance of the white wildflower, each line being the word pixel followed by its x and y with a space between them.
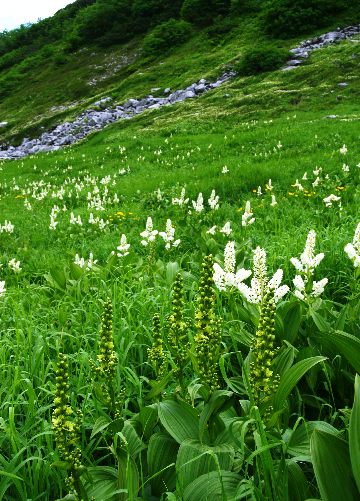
pixel 226 229
pixel 199 203
pixel 353 249
pixel 168 235
pixel 14 265
pixel 212 230
pixel 304 284
pixel 343 150
pixel 149 233
pixel 123 248
pixel 180 201
pixel 330 199
pixel 2 288
pixel 273 201
pixel 228 276
pixel 225 170
pixel 304 178
pixel 247 216
pixel 213 201
pixel 345 168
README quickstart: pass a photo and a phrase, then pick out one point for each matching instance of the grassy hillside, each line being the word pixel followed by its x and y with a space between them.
pixel 184 390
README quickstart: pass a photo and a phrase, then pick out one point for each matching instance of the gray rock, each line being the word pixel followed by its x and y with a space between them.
pixel 3 124
pixel 343 84
pixel 167 91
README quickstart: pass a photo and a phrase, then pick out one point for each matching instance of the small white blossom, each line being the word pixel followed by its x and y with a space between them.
pixel 14 265
pixel 180 201
pixel 2 288
pixel 212 230
pixel 199 203
pixel 226 229
pixel 273 201
pixel 225 170
pixel 168 235
pixel 149 234
pixel 247 216
pixel 228 276
pixel 345 168
pixel 330 199
pixel 123 248
pixel 213 201
pixel 353 249
pixel 343 150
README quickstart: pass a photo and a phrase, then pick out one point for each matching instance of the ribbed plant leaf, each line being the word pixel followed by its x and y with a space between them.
pixel 217 400
pixel 181 421
pixel 331 461
pixel 298 444
pixel 213 486
pixel 347 344
pixel 105 484
pixel 161 453
pixel 354 434
pixel 289 380
pixel 195 459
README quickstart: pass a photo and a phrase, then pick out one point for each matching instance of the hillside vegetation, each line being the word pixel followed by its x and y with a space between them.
pixel 180 292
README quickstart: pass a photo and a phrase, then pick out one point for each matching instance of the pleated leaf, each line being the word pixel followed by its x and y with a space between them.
pixel 195 459
pixel 354 434
pixel 213 486
pixel 161 453
pixel 289 380
pixel 181 421
pixel 347 344
pixel 331 461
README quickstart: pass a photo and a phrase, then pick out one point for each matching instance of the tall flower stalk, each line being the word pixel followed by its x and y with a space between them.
pixel 263 353
pixel 67 429
pixel 208 337
pixel 178 331
pixel 106 363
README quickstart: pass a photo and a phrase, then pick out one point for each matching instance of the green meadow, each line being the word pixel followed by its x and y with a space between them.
pixel 143 359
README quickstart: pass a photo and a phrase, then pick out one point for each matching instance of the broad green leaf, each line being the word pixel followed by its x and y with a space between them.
pixel 289 380
pixel 101 424
pixel 59 277
pixel 331 462
pixel 161 453
pixel 148 417
pixel 134 443
pixel 11 475
pixel 105 484
pixel 297 483
pixel 195 459
pixel 76 272
pixel 180 420
pixel 159 386
pixel 284 360
pixel 320 322
pixel 292 321
pixel 298 443
pixel 354 433
pixel 171 271
pixel 347 344
pixel 217 400
pixel 213 486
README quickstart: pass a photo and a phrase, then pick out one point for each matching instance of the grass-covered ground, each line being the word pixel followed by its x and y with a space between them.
pixel 197 416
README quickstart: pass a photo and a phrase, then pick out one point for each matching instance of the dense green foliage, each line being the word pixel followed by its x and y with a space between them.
pixel 133 377
pixel 287 19
pixel 166 36
pixel 261 59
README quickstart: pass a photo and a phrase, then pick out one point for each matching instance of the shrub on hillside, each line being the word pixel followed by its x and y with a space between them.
pixel 167 35
pixel 261 59
pixel 286 18
pixel 202 12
